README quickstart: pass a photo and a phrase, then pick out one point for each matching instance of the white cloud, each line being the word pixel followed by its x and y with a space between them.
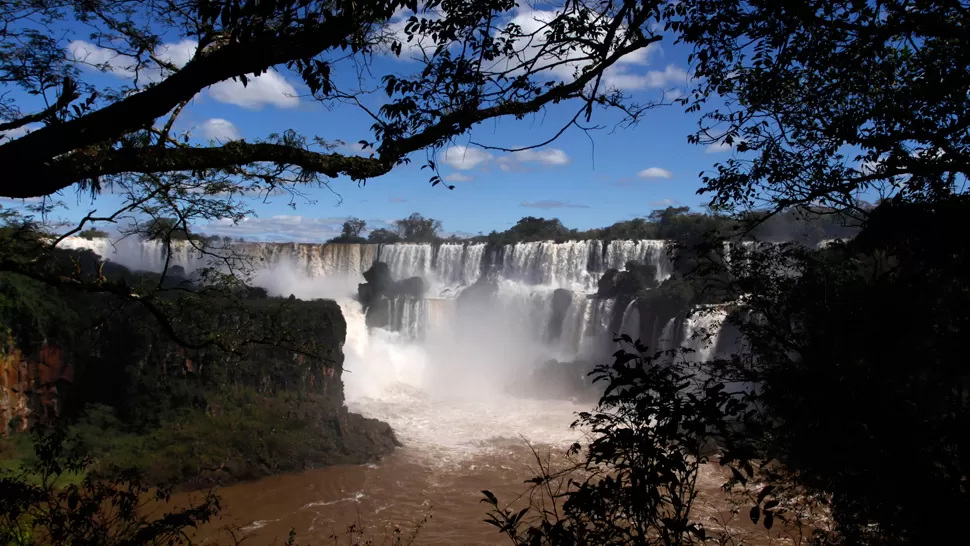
pixel 176 54
pixel 219 129
pixel 654 172
pixel 662 203
pixel 458 177
pixel 549 204
pixel 14 134
pixel 621 75
pixel 282 228
pixel 267 88
pixel 420 44
pixel 549 156
pixel 355 148
pixel 102 59
pixel 670 77
pixel 464 158
pixel 718 147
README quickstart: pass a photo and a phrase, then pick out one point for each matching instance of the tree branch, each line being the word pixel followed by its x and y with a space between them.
pixel 22 157
pixel 68 95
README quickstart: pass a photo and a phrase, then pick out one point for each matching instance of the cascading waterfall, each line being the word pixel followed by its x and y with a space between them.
pixel 551 264
pixel 408 259
pixel 409 316
pixel 701 331
pixel 618 253
pixel 528 276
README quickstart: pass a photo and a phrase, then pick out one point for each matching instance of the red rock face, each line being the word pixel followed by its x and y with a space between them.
pixel 29 385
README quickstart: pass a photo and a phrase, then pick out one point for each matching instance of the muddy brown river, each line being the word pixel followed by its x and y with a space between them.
pixel 460 434
pixel 453 449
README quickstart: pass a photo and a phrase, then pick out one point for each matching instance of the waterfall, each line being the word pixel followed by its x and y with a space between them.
pixel 630 324
pixel 409 316
pixel 551 264
pixel 376 360
pixel 701 331
pixel 472 264
pixel 448 263
pixel 528 275
pixel 408 259
pixel 652 252
pixel 144 255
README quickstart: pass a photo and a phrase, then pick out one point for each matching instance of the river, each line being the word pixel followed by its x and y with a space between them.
pixel 460 436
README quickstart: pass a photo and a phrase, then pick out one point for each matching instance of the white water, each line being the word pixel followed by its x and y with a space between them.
pixel 440 376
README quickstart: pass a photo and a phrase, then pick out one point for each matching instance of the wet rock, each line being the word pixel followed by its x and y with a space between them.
pixel 561 299
pixel 413 287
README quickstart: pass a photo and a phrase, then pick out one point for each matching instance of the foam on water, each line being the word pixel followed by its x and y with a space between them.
pixel 391 379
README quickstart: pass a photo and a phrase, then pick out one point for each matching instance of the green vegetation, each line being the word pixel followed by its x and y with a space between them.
pixel 351 232
pixel 44 502
pixel 139 400
pixel 92 234
pixel 237 435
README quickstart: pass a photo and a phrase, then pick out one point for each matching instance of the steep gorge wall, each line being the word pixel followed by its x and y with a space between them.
pixel 31 385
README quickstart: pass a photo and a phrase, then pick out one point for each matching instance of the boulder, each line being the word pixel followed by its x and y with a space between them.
pixel 378 314
pixel 413 287
pixel 561 299
pixel 481 292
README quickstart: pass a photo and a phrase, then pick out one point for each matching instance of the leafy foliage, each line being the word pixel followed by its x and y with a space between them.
pixel 36 507
pixel 830 101
pixel 384 236
pixel 92 234
pixel 660 419
pixel 417 229
pixel 858 346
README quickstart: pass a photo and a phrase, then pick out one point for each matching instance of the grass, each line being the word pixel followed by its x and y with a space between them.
pixel 17 456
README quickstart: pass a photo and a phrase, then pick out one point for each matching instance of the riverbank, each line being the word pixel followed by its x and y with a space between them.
pixel 238 436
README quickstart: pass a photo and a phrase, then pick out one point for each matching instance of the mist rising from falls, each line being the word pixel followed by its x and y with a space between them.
pixel 518 326
pixel 442 371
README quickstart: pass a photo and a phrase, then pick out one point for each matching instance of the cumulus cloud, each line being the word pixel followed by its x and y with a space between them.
pixel 176 54
pixel 267 88
pixel 282 228
pixel 718 147
pixel 620 76
pixel 458 177
pixel 548 156
pixel 464 158
pixel 14 134
pixel 420 44
pixel 219 129
pixel 654 172
pixel 663 203
pixel 547 204
pixel 669 78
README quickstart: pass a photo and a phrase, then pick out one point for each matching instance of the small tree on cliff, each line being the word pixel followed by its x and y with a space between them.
pixel 353 227
pixel 350 232
pixel 417 229
pixel 383 236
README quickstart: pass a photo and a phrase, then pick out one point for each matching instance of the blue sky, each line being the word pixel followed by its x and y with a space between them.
pixel 586 180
